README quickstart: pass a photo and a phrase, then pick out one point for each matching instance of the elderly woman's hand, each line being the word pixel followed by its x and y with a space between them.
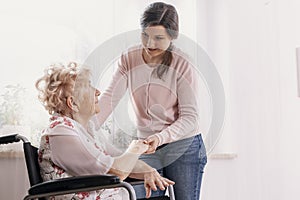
pixel 137 147
pixel 153 179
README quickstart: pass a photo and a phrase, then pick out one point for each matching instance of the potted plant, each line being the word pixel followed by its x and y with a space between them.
pixel 11 105
pixel 12 112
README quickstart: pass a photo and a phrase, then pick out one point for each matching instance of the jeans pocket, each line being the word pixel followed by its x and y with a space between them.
pixel 202 153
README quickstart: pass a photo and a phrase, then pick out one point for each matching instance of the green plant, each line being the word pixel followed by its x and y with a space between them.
pixel 11 105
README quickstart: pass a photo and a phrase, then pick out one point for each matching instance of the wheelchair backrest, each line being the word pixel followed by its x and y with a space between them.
pixel 33 167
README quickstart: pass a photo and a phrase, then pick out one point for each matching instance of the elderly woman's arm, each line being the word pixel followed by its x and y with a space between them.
pixel 72 154
pixel 79 157
pixel 124 164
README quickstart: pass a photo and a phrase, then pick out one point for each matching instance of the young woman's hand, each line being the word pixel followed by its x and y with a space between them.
pixel 153 142
pixel 153 179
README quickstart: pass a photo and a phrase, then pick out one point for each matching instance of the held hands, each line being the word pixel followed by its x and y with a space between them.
pixel 137 147
pixel 153 142
pixel 153 179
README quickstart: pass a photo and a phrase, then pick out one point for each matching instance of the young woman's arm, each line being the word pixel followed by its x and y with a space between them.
pixel 187 123
pixel 111 96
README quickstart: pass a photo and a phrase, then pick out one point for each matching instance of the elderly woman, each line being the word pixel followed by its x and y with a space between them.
pixel 68 147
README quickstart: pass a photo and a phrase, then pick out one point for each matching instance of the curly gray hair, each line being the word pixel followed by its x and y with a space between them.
pixel 58 83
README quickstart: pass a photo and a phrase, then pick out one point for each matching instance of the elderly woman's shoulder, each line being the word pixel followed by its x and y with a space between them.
pixel 61 121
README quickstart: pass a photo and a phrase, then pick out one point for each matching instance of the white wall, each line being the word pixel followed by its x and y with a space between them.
pixel 259 40
pixel 14 180
pixel 288 21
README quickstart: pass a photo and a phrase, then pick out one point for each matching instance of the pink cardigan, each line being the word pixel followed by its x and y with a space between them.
pixel 167 108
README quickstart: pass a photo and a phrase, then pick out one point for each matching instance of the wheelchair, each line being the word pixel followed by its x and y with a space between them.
pixel 40 190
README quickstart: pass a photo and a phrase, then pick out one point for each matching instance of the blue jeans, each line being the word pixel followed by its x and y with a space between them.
pixel 182 161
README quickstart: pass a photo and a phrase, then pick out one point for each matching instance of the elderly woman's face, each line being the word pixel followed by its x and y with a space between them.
pixel 87 99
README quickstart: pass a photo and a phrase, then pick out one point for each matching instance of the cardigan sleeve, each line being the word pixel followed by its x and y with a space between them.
pixel 110 98
pixel 188 107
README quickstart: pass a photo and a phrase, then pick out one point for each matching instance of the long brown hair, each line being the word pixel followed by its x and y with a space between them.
pixel 163 14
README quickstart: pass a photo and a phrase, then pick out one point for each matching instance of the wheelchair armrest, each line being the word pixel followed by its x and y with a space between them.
pixel 73 183
pixel 134 181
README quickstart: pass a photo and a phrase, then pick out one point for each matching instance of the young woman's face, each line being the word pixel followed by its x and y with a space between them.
pixel 155 40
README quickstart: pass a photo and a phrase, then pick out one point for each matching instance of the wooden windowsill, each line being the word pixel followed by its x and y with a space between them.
pixel 11 154
pixel 222 156
pixel 214 156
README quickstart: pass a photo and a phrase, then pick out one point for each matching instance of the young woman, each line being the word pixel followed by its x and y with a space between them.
pixel 68 147
pixel 163 87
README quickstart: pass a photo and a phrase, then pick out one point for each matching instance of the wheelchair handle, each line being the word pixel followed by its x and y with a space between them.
pixel 9 139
